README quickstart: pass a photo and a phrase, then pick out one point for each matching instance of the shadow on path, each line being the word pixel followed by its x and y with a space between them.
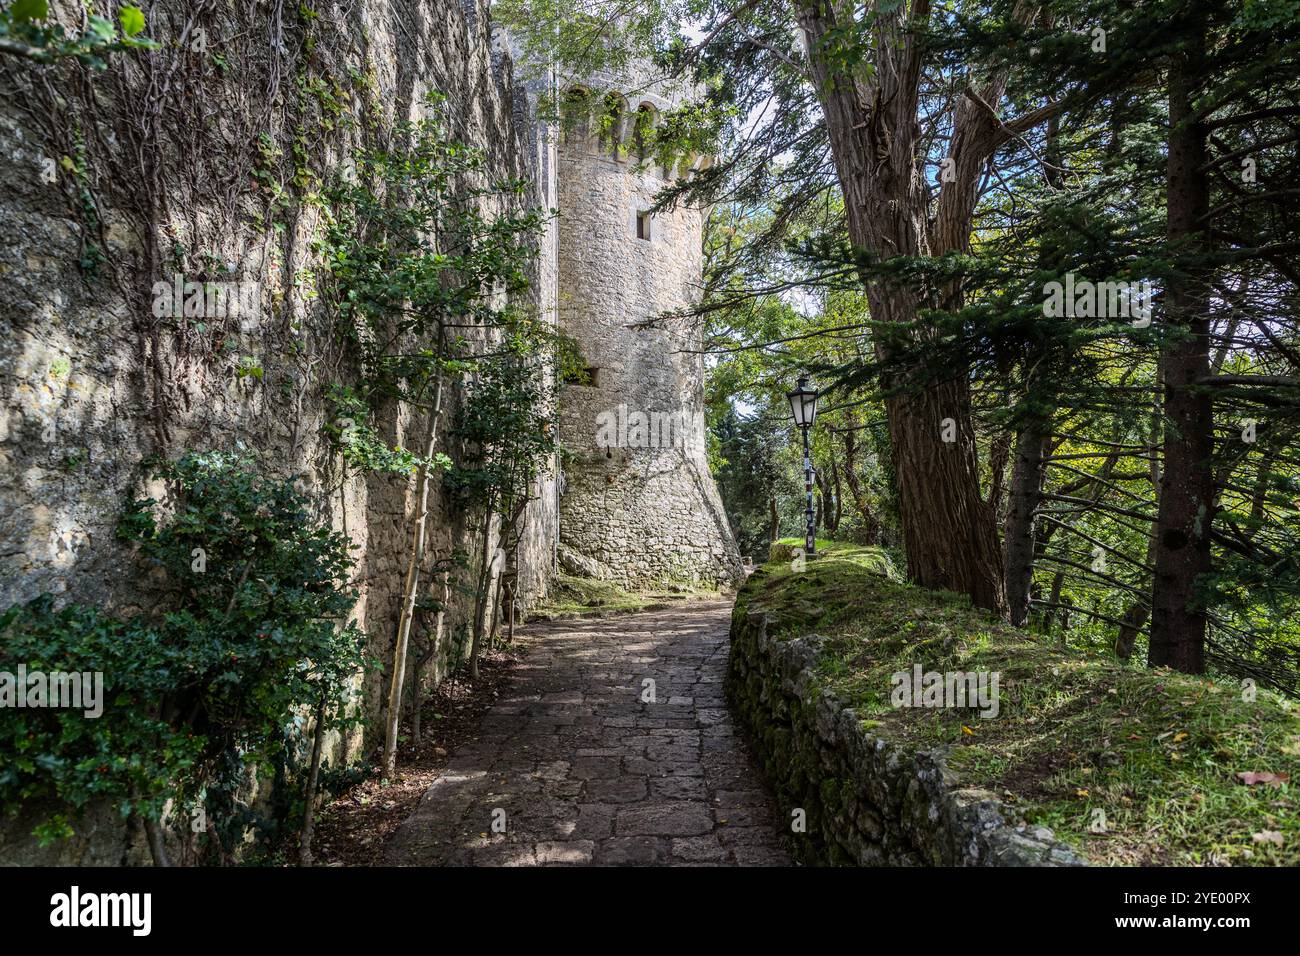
pixel 575 768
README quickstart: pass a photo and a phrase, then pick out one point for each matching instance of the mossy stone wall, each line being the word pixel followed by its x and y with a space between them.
pixel 866 801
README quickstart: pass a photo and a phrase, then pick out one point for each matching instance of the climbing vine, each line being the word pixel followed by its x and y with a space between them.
pixel 425 259
pixel 180 182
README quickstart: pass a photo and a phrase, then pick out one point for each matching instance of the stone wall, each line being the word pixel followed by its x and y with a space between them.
pixel 867 800
pixel 637 497
pixel 92 383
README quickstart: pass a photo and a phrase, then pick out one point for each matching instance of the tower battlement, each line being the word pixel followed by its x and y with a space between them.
pixel 637 504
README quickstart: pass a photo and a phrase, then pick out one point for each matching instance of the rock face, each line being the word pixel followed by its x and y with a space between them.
pixel 866 800
pixel 637 496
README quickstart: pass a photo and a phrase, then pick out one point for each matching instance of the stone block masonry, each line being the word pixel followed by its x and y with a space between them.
pixel 638 497
pixel 867 801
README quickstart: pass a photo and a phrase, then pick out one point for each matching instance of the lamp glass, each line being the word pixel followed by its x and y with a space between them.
pixel 803 403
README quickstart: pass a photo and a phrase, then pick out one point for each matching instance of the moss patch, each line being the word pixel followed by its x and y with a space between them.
pixel 1130 765
pixel 574 597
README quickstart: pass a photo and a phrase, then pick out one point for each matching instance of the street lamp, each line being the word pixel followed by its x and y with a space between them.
pixel 803 407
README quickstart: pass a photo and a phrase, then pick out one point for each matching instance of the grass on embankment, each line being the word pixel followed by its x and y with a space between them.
pixel 575 597
pixel 873 558
pixel 1160 754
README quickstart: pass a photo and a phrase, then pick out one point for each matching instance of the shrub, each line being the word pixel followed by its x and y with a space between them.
pixel 128 755
pixel 247 632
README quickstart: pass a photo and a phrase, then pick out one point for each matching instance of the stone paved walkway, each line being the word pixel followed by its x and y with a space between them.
pixel 577 769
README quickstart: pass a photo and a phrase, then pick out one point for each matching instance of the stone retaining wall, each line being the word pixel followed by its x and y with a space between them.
pixel 867 801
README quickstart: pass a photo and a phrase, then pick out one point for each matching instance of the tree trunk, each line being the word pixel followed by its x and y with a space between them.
pixel 414 700
pixel 482 593
pixel 836 490
pixel 435 642
pixel 1137 613
pixel 509 599
pixel 774 522
pixel 1026 487
pixel 1134 618
pixel 999 453
pixel 313 779
pixel 827 504
pixel 949 533
pixel 1053 599
pixel 1178 619
pixel 411 587
pixel 871 527
pixel 157 845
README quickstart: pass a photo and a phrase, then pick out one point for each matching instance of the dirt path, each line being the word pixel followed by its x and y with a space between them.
pixel 572 766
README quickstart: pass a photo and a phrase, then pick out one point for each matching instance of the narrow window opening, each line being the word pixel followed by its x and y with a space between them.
pixel 643 226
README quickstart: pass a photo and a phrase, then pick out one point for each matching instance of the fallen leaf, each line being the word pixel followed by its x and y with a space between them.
pixel 967 730
pixel 1252 777
pixel 1267 836
pixel 1180 736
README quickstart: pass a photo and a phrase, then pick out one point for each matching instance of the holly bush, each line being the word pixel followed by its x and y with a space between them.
pixel 62 759
pixel 247 631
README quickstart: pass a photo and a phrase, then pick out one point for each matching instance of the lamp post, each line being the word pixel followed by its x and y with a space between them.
pixel 803 407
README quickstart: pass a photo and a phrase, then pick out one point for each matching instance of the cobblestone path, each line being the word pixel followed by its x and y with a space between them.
pixel 575 768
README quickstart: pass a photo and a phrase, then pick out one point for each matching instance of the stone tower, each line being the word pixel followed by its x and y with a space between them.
pixel 637 503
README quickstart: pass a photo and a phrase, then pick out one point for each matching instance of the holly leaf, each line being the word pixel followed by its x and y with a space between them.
pixel 102 29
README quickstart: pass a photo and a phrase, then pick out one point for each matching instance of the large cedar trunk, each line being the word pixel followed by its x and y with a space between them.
pixel 1024 498
pixel 1182 538
pixel 949 532
pixel 948 529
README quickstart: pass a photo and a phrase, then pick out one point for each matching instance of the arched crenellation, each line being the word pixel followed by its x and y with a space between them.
pixel 645 123
pixel 638 502
pixel 606 124
pixel 575 114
